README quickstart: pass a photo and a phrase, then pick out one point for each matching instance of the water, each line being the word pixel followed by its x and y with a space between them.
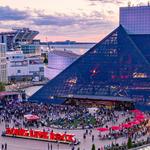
pixel 76 48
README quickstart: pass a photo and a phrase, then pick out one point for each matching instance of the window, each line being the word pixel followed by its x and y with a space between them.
pixel 18 71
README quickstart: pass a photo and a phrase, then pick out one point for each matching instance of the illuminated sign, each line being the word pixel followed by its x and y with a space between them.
pixel 40 135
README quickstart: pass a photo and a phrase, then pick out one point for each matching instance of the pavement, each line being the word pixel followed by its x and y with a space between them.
pixel 26 144
pixel 86 144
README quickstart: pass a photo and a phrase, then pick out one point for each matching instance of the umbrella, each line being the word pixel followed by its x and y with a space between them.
pixel 140 117
pixel 115 128
pixel 31 117
pixel 127 125
pixel 102 129
pixel 136 122
pixel 136 111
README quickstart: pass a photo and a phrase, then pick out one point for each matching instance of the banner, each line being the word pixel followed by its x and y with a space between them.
pixel 40 135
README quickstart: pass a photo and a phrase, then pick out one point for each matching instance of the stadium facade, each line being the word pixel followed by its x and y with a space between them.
pixel 114 69
pixel 17 37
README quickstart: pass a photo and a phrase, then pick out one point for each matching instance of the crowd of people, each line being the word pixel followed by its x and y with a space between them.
pixel 71 117
pixel 58 116
pixel 61 116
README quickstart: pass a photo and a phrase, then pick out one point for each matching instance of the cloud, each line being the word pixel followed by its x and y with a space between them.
pixel 54 20
pixel 63 20
pixel 9 14
pixel 107 1
pixel 73 25
pixel 69 26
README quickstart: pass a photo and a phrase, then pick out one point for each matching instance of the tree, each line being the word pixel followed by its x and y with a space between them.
pixel 129 144
pixel 93 147
pixel 2 86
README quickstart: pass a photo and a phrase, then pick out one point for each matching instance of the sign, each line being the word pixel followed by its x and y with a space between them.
pixel 40 135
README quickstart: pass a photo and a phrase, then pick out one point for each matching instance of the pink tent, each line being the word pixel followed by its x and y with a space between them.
pixel 115 128
pixel 127 125
pixel 136 122
pixel 136 111
pixel 31 117
pixel 102 129
pixel 140 117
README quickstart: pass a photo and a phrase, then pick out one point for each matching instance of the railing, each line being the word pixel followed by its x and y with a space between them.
pixel 144 147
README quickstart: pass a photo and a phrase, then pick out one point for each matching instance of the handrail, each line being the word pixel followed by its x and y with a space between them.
pixel 143 146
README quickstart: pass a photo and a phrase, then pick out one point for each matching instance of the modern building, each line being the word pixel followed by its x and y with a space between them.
pixel 114 70
pixel 3 66
pixel 58 61
pixel 135 20
pixel 31 49
pixel 19 38
pixel 20 67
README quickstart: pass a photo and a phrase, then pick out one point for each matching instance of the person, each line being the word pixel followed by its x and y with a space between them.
pixel 2 146
pixel 51 147
pixel 48 146
pixel 92 138
pixel 58 145
pixel 5 146
pixel 86 131
pixel 84 136
pixel 73 148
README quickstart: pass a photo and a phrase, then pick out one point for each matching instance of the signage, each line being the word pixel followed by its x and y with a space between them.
pixel 40 135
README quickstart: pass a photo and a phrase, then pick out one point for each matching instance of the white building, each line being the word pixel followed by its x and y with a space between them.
pixel 58 61
pixel 136 20
pixel 3 66
pixel 21 67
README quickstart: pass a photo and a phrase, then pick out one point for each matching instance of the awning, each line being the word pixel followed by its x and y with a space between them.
pixel 31 117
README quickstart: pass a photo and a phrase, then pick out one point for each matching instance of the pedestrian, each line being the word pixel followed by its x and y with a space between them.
pixel 48 146
pixel 72 148
pixel 84 136
pixel 51 147
pixel 5 146
pixel 58 145
pixel 86 131
pixel 92 138
pixel 2 146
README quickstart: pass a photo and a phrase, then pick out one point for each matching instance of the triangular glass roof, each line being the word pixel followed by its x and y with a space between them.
pixel 113 63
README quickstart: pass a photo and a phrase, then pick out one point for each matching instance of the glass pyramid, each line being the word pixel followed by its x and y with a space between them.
pixel 107 69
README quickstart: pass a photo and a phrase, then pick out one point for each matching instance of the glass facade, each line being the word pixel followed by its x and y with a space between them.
pixel 108 69
pixel 136 20
pixel 3 67
pixel 30 48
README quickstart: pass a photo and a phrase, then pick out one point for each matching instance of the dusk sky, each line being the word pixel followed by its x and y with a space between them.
pixel 58 20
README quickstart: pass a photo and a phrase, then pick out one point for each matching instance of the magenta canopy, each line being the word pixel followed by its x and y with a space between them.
pixel 102 129
pixel 31 117
pixel 136 122
pixel 127 125
pixel 136 111
pixel 115 128
pixel 140 117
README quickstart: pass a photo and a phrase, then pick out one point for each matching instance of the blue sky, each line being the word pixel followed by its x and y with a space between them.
pixel 58 20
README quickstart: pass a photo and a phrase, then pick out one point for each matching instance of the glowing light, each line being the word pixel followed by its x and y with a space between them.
pixel 94 72
pixel 72 81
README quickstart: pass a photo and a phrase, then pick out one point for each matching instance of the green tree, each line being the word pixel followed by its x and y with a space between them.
pixel 2 86
pixel 93 147
pixel 129 144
